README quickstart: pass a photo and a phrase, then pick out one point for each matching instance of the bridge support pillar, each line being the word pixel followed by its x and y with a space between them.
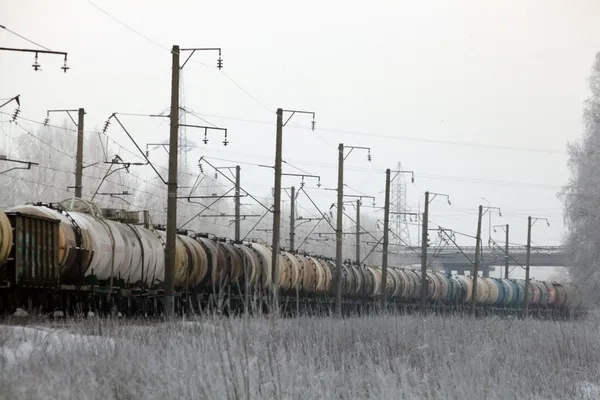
pixel 486 271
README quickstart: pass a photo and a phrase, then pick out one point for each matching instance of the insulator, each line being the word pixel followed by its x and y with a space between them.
pixel 225 141
pixel 220 63
pixel 106 124
pixel 46 121
pixel 205 140
pixel 147 153
pixel 412 179
pixel 36 66
pixel 313 122
pixel 16 114
pixel 65 67
pixel 319 183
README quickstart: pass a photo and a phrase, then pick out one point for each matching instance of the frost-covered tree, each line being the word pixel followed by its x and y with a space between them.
pixel 53 178
pixel 582 197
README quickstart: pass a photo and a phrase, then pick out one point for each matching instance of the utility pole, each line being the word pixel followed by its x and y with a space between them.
pixel 237 205
pixel 292 218
pixel 530 221
pixel 527 261
pixel 358 232
pixel 386 228
pixel 339 227
pixel 489 221
pixel 386 233
pixel 79 157
pixel 79 152
pixel 338 232
pixel 277 200
pixel 169 301
pixel 507 256
pixel 172 188
pixel 424 246
pixel 476 264
pixel 277 209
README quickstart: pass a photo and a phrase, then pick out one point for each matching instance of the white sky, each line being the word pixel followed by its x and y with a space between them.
pixel 401 74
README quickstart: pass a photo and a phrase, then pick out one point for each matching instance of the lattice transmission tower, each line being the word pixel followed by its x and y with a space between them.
pixel 183 145
pixel 399 222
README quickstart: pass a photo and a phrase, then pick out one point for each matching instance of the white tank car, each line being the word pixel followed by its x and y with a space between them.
pixel 117 249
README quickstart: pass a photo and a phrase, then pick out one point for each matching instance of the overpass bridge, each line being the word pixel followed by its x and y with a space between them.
pixel 453 259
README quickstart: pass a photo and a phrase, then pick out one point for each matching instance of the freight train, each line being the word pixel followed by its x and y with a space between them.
pixel 75 257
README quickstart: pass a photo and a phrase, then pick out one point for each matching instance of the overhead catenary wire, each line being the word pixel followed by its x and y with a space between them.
pixel 405 138
pixel 529 185
pixel 24 38
pixel 55 169
pixel 121 147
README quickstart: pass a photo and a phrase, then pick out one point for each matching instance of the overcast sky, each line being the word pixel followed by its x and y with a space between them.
pixel 479 98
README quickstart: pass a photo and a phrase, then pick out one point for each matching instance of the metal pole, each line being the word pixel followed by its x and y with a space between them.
pixel 292 218
pixel 277 210
pixel 424 246
pixel 386 228
pixel 489 227
pixel 292 237
pixel 476 264
pixel 358 232
pixel 172 189
pixel 507 257
pixel 338 232
pixel 79 157
pixel 146 215
pixel 237 204
pixel 526 300
pixel 238 237
pixel 419 227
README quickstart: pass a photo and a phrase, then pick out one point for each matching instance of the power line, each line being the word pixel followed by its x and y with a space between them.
pixel 127 26
pixel 169 50
pixel 121 147
pixel 373 170
pixel 246 92
pixel 130 188
pixel 24 38
pixel 326 165
pixel 44 142
pixel 414 139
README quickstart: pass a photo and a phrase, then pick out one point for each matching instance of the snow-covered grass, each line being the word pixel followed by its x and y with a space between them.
pixel 379 357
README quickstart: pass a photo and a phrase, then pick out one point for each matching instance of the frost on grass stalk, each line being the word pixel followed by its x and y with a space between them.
pixel 308 358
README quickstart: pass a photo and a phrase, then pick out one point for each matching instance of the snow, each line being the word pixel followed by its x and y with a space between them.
pixel 588 391
pixel 380 357
pixel 20 342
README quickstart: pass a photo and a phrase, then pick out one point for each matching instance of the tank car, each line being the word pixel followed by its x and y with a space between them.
pixel 74 246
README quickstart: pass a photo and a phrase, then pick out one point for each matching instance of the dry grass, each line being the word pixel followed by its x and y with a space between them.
pixel 374 357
